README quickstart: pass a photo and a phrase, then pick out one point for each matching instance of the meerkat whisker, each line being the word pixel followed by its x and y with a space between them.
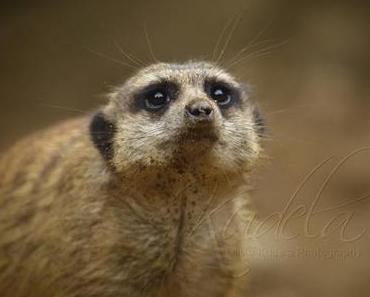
pixel 137 62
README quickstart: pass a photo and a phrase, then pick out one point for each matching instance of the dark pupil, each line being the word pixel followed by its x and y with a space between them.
pixel 220 95
pixel 157 98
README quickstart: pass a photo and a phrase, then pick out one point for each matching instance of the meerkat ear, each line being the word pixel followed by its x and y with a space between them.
pixel 102 132
pixel 259 121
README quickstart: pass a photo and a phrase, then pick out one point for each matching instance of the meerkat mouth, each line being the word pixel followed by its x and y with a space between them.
pixel 199 133
pixel 201 138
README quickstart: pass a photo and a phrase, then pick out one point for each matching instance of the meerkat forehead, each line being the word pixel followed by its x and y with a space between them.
pixel 182 73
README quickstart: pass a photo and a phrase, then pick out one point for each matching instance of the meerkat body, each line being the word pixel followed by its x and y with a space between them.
pixel 134 199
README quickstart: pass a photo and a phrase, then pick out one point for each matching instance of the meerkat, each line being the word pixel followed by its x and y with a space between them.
pixel 133 199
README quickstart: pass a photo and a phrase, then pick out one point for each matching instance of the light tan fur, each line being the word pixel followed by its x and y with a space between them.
pixel 150 221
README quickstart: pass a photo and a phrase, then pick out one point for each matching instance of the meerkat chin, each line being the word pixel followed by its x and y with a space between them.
pixel 133 200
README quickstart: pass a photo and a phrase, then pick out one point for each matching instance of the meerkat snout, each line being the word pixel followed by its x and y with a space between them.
pixel 199 111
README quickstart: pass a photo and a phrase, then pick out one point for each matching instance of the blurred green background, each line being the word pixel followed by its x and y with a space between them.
pixel 309 65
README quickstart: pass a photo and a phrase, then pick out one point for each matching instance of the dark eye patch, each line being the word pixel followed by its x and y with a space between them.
pixel 223 93
pixel 156 97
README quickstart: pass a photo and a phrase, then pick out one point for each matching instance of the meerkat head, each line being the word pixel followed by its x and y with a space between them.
pixel 193 113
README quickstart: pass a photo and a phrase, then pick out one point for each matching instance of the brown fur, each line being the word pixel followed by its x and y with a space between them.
pixel 147 221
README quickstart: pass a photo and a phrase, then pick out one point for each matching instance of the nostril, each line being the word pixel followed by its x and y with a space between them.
pixel 200 110
pixel 194 111
pixel 206 110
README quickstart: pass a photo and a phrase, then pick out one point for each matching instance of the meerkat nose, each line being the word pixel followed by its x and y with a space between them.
pixel 199 111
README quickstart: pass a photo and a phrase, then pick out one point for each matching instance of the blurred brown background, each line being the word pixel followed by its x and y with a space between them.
pixel 56 62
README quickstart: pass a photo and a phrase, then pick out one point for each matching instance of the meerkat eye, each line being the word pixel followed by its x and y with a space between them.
pixel 156 96
pixel 221 94
pixel 156 99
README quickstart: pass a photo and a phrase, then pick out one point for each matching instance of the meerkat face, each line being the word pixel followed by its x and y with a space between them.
pixel 195 113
